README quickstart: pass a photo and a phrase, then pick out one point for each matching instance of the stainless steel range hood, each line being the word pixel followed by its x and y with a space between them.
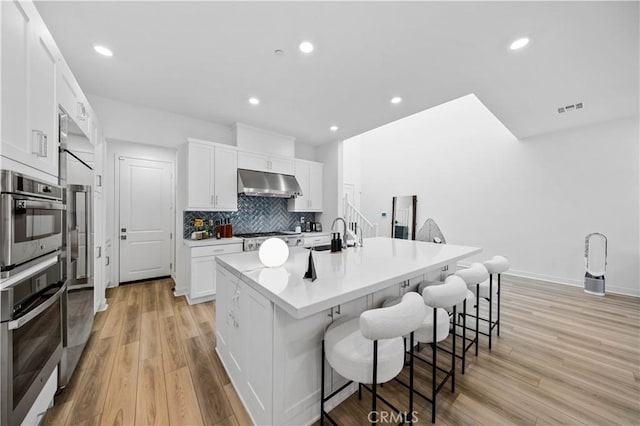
pixel 263 184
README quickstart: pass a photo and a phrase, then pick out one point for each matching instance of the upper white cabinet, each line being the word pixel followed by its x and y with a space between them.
pixel 73 102
pixel 265 163
pixel 29 108
pixel 310 176
pixel 211 177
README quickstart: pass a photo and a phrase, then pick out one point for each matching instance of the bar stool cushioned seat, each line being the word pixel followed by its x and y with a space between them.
pixel 474 274
pixel 497 265
pixel 424 333
pixel 348 342
pixel 470 296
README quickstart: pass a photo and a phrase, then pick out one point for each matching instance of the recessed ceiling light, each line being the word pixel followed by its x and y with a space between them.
pixel 396 100
pixel 333 128
pixel 102 50
pixel 306 47
pixel 519 43
pixel 254 101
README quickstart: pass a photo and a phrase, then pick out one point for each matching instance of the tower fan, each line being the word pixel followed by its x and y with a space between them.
pixel 595 259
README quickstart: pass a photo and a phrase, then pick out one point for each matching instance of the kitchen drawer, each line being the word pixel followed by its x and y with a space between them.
pixel 215 250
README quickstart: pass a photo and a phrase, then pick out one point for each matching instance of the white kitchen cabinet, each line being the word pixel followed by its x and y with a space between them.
pixel 244 328
pixel 73 102
pixel 211 177
pixel 265 163
pixel 225 176
pixel 29 109
pixel 202 275
pixel 310 176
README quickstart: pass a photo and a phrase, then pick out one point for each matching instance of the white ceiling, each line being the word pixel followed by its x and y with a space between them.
pixel 205 59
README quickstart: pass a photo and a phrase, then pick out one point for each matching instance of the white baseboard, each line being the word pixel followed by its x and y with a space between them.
pixel 196 300
pixel 562 281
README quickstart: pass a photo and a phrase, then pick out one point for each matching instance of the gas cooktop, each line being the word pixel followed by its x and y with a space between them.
pixel 253 240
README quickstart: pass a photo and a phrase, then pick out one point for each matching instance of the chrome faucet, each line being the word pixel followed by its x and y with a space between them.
pixel 344 234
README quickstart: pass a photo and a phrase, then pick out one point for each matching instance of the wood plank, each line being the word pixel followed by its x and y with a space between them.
pixel 230 421
pixel 151 404
pixel 240 413
pixel 182 403
pixel 165 298
pixel 172 356
pixel 184 319
pixel 210 391
pixel 92 390
pixel 149 298
pixel 150 335
pixel 113 324
pixel 131 325
pixel 120 403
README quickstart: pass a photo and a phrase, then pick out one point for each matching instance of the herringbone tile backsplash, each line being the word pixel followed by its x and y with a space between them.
pixel 255 214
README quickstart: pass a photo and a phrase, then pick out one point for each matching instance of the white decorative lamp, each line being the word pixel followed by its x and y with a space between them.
pixel 273 252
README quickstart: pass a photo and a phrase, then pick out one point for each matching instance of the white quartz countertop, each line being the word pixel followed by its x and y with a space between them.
pixel 212 242
pixel 344 276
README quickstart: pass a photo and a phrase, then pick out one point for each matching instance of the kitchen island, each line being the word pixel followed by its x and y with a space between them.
pixel 270 321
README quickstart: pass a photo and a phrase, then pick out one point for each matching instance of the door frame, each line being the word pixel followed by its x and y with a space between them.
pixel 115 248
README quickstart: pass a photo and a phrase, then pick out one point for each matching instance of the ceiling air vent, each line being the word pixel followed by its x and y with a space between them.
pixel 569 108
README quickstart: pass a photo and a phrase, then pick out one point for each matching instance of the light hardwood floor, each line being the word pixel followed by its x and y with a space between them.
pixel 563 357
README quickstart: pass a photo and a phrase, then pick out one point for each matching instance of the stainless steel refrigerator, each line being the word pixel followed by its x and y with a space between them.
pixel 76 176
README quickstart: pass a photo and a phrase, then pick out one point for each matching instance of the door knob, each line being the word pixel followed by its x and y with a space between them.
pixel 123 237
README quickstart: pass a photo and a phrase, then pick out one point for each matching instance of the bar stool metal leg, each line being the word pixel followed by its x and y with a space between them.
pixel 453 357
pixel 410 381
pixel 490 309
pixel 374 414
pixel 499 292
pixel 322 387
pixel 464 334
pixel 477 315
pixel 433 368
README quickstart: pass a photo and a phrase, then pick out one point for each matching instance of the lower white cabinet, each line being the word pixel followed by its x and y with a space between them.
pixel 244 329
pixel 202 274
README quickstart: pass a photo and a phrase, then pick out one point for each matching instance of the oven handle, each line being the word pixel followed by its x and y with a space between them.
pixel 14 325
pixel 44 205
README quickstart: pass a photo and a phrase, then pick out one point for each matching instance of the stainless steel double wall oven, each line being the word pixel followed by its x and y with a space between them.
pixel 31 293
pixel 32 218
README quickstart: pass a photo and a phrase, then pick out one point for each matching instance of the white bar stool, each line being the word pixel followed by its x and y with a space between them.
pixel 467 307
pixel 496 265
pixel 435 328
pixel 370 350
pixel 473 276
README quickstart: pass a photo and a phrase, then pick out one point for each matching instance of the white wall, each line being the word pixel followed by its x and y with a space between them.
pixel 352 155
pixel 532 201
pixel 305 151
pixel 127 122
pixel 331 155
pixel 135 123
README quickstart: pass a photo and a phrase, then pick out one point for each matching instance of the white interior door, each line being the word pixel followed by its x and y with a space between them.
pixel 146 209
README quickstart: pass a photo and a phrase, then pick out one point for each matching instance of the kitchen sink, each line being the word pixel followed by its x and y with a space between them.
pixel 326 247
pixel 320 248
